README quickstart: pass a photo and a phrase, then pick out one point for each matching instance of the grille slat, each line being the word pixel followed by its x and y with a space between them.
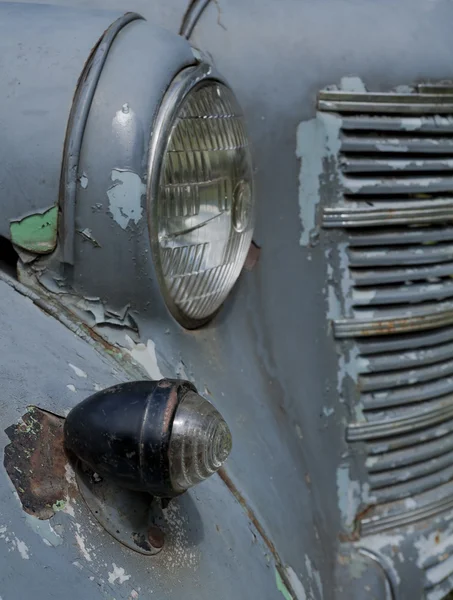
pixel 358 165
pixel 399 475
pixel 423 124
pixel 401 294
pixel 411 455
pixel 403 377
pixel 385 276
pixel 393 185
pixel 393 237
pixel 405 146
pixel 413 358
pixel 401 213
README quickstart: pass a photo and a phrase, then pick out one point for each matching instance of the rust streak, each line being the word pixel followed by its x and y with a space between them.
pixel 259 528
pixel 251 515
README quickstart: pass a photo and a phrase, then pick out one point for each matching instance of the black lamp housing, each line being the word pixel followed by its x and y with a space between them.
pixel 123 433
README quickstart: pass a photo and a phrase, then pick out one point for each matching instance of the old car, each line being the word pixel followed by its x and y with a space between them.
pixel 226 299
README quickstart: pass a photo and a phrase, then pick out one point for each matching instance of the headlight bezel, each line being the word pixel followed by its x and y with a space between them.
pixel 181 86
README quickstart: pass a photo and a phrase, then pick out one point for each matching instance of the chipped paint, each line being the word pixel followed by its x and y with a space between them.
pixel 80 539
pixel 71 387
pixel 37 232
pixel 45 531
pixel 84 181
pixel 384 547
pixel 349 495
pixel 281 586
pixel 318 141
pixel 22 548
pixel 125 197
pixel 118 574
pixel 17 544
pixel 435 544
pixel 181 552
pixel 70 475
pixel 352 83
pixel 314 578
pixel 78 371
pixel 296 584
pixel 145 355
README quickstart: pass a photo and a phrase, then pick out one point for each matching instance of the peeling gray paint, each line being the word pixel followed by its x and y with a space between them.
pixel 84 181
pixel 125 196
pixel 296 584
pixel 145 355
pixel 349 495
pixel 317 140
pixel 352 83
pixel 44 529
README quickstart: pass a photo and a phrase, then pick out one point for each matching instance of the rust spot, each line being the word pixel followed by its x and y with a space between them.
pixel 35 461
pixel 253 256
pixel 156 537
pixel 437 538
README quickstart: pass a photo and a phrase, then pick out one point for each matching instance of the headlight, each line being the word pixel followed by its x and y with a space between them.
pixel 200 194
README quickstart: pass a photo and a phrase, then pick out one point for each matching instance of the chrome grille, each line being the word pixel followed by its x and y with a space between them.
pixel 395 171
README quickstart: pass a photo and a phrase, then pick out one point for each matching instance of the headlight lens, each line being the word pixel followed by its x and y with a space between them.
pixel 203 217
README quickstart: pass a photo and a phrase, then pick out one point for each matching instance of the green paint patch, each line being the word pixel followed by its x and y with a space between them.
pixel 36 233
pixel 282 587
pixel 59 505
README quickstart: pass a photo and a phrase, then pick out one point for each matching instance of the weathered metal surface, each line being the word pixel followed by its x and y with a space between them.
pixel 211 545
pixel 44 49
pixel 83 97
pixel 125 514
pixel 286 437
pixel 430 317
pixel 36 462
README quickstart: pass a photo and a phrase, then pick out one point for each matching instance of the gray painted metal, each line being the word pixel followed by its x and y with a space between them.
pixel 43 52
pixel 83 97
pixel 269 356
pixel 213 549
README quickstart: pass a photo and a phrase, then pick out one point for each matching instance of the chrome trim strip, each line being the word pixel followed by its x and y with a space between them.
pixel 373 525
pixel 395 166
pixel 370 102
pixel 370 107
pixel 356 216
pixel 360 432
pixel 346 328
pixel 385 97
pixel 390 184
pixel 429 124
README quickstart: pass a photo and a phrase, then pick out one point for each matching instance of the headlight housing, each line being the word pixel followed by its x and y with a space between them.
pixel 200 195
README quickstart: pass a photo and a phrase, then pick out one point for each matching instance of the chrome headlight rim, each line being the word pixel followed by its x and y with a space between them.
pixel 183 83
